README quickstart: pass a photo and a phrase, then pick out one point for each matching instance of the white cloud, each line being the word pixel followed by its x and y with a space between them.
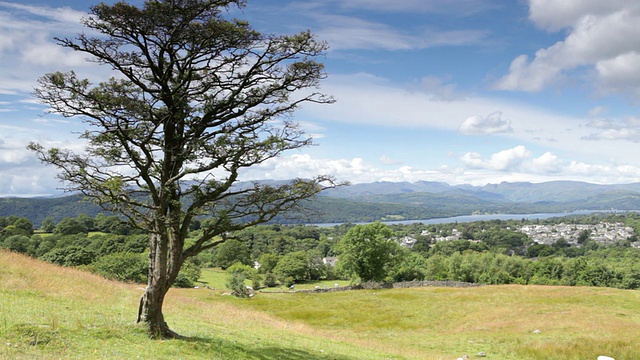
pixel 353 33
pixel 439 89
pixel 614 129
pixel 546 163
pixel 504 160
pixel 582 168
pixel 462 7
pixel 473 160
pixel 597 111
pixel 508 165
pixel 616 134
pixel 602 37
pixel 12 152
pixel 62 14
pixel 507 159
pixel 555 15
pixel 344 32
pixel 620 74
pixel 26 38
pixel 50 54
pixel 492 124
pixel 389 161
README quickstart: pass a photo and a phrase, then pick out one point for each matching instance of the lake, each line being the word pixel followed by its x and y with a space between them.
pixel 483 217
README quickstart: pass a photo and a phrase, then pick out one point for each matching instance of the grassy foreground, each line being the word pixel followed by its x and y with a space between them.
pixel 49 312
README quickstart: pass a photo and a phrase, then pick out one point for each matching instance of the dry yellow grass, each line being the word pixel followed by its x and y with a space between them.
pixel 51 312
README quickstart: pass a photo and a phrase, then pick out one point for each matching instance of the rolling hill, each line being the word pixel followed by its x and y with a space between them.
pixel 51 312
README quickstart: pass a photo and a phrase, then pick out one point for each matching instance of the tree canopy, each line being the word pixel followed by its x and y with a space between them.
pixel 196 99
pixel 367 251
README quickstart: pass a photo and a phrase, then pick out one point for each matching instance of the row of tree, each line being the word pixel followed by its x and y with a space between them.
pixel 113 250
pixel 489 253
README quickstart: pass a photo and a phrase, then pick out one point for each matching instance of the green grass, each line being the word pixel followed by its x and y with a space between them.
pixel 215 278
pixel 575 323
pixel 48 312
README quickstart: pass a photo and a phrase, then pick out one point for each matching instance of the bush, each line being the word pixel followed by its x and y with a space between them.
pixel 236 284
pixel 289 281
pixel 248 272
pixel 270 280
pixel 188 276
pixel 17 243
pixel 238 274
pixel 70 226
pixel 73 255
pixel 122 266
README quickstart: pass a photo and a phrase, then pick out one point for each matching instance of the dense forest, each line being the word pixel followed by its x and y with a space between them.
pixel 487 252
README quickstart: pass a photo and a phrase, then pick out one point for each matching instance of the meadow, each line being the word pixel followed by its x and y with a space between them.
pixel 51 312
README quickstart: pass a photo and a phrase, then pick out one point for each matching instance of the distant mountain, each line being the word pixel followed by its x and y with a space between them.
pixel 37 209
pixel 525 192
pixel 399 201
pixel 561 191
pixel 387 188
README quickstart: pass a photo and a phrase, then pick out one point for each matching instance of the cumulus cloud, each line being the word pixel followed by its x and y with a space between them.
pixel 546 163
pixel 504 160
pixel 603 38
pixel 620 74
pixel 555 15
pixel 513 164
pixel 492 124
pixel 12 152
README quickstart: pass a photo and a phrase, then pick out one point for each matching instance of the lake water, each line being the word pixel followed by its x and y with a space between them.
pixel 484 217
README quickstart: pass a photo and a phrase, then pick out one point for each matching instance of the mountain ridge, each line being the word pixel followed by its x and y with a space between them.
pixel 420 200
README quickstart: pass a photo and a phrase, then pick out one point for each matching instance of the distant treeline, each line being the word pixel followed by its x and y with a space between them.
pixel 489 252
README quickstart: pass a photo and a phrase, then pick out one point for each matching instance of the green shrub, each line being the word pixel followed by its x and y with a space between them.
pixel 235 283
pixel 270 280
pixel 188 276
pixel 289 281
pixel 122 266
pixel 73 255
pixel 249 272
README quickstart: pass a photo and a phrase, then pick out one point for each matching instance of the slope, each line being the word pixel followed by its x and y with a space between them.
pixel 48 312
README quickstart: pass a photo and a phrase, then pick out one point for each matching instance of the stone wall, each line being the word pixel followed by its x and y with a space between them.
pixel 405 284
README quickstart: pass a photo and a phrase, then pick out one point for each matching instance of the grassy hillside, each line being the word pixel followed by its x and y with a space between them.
pixel 48 312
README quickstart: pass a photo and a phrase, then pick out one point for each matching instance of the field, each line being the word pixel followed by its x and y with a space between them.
pixel 49 312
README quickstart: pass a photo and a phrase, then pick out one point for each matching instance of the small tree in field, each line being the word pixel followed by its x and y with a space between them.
pixel 196 100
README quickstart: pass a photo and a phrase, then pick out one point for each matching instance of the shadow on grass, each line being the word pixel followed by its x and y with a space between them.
pixel 233 350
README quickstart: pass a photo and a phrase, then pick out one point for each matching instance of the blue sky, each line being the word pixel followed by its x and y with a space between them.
pixel 458 91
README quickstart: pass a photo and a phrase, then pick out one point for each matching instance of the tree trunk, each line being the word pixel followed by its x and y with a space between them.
pixel 150 309
pixel 150 313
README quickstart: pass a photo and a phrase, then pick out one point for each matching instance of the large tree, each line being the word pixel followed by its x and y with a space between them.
pixel 368 251
pixel 195 99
